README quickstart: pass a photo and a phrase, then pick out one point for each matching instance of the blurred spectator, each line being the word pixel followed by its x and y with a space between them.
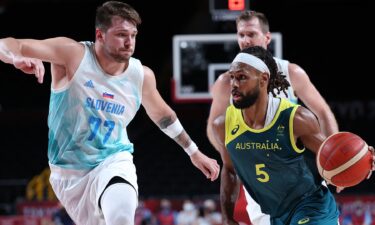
pixel 208 214
pixel 166 215
pixel 361 215
pixel 368 217
pixel 143 215
pixel 188 215
pixel 346 219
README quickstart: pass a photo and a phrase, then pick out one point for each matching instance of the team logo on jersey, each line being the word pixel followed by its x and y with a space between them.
pixel 280 130
pixel 108 95
pixel 89 84
pixel 236 128
pixel 304 220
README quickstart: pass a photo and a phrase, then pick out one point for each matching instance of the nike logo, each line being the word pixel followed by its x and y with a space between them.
pixel 234 131
pixel 304 220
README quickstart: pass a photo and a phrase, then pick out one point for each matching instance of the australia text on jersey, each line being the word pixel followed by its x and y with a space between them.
pixel 273 146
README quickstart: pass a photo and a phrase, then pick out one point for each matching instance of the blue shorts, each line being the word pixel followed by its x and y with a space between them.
pixel 318 209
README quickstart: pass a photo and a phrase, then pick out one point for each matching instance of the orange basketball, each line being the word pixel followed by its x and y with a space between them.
pixel 344 159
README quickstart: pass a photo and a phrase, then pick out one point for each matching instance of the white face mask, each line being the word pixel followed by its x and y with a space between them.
pixel 188 207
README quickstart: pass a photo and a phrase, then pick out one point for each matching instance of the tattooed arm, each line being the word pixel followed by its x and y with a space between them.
pixel 165 118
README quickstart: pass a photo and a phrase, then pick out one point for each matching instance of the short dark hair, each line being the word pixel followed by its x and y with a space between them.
pixel 278 81
pixel 249 15
pixel 110 9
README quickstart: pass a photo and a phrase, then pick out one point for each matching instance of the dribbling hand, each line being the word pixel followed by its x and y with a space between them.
pixel 30 66
pixel 339 189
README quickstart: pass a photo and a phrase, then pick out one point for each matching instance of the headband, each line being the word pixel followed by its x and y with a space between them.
pixel 252 61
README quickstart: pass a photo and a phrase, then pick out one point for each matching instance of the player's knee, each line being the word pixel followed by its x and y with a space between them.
pixel 121 214
pixel 120 219
pixel 119 202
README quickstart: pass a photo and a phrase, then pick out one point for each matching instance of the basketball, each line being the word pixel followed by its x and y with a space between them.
pixel 344 159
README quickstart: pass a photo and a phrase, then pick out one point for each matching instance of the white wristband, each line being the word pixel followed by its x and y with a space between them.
pixel 191 149
pixel 174 129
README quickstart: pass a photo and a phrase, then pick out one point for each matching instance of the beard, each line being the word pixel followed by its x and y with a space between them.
pixel 248 99
pixel 120 58
pixel 118 55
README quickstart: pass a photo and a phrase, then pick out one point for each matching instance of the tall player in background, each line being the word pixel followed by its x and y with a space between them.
pixel 97 88
pixel 253 30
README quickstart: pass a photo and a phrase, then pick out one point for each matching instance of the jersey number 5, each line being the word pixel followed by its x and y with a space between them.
pixel 262 175
pixel 96 122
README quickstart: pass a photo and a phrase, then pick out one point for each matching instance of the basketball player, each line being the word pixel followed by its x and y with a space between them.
pixel 262 140
pixel 97 89
pixel 253 30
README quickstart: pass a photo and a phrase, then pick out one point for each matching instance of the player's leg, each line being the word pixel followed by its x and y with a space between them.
pixel 240 213
pixel 257 217
pixel 119 202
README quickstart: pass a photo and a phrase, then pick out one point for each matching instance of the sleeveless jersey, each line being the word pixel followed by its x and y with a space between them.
pixel 271 167
pixel 88 117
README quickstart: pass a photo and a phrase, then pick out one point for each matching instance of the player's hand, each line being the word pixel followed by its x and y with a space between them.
pixel 371 149
pixel 30 66
pixel 209 167
pixel 339 189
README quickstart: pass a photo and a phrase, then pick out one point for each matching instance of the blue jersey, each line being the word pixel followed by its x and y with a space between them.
pixel 268 162
pixel 88 117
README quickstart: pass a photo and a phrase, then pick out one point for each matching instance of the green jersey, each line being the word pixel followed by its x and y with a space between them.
pixel 268 162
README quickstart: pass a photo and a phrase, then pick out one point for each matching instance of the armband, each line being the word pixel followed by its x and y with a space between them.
pixel 174 129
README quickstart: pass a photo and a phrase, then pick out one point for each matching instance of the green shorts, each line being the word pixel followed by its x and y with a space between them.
pixel 318 209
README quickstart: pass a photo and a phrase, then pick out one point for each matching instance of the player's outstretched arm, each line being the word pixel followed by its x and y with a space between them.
pixel 25 64
pixel 310 96
pixel 165 118
pixel 229 185
pixel 28 54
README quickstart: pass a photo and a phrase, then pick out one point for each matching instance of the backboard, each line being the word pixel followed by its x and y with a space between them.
pixel 199 59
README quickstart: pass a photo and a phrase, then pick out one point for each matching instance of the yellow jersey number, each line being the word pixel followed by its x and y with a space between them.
pixel 262 175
